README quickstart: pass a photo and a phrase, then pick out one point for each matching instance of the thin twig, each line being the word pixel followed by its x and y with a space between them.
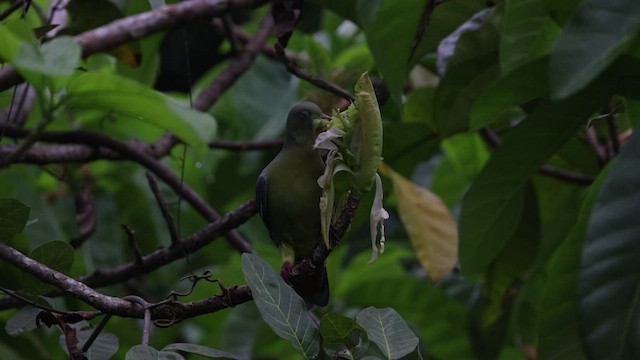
pixel 238 66
pixel 422 26
pixel 227 25
pixel 314 80
pixel 96 332
pixel 494 141
pixel 598 149
pixel 13 7
pixel 164 209
pixel 131 238
pixel 613 133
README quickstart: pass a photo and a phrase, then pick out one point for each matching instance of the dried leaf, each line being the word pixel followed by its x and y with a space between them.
pixel 429 224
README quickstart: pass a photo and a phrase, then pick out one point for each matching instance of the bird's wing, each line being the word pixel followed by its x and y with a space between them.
pixel 262 196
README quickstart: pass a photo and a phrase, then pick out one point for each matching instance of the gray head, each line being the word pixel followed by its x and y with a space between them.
pixel 302 123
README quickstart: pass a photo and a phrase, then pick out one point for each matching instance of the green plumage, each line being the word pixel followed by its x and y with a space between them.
pixel 288 195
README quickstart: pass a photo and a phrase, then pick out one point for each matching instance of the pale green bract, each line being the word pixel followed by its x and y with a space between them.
pixel 354 144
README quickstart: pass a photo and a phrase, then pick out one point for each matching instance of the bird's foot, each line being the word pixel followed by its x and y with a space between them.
pixel 285 272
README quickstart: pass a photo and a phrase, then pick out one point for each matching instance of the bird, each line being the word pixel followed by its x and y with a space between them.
pixel 288 197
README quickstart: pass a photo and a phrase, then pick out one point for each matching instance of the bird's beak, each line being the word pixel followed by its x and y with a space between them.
pixel 321 123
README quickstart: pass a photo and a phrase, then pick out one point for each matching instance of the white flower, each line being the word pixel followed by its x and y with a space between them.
pixel 377 216
pixel 325 140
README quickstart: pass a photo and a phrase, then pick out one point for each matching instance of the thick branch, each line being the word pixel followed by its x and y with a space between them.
pixel 61 281
pixel 141 25
pixel 162 256
pixel 116 306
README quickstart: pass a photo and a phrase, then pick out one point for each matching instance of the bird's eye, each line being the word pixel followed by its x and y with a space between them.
pixel 306 113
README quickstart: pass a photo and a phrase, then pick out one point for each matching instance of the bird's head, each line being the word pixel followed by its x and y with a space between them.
pixel 304 122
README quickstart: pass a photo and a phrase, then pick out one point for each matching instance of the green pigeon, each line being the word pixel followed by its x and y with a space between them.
pixel 288 197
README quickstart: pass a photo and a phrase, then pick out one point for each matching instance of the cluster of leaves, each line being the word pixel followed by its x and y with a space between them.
pixel 519 116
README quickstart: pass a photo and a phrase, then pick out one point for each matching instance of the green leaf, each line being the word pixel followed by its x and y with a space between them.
pixel 388 330
pixel 104 346
pixel 467 73
pixel 55 60
pixel 515 259
pixel 519 86
pixel 559 327
pixel 281 308
pixel 112 93
pixel 609 284
pixel 390 31
pixel 240 330
pixel 13 218
pixel 345 8
pixel 12 37
pixel 57 255
pixel 385 283
pixel 319 56
pixel 142 352
pixel 492 205
pixel 561 11
pixel 527 33
pixel 598 33
pixel 23 321
pixel 464 157
pixel 340 332
pixel 201 350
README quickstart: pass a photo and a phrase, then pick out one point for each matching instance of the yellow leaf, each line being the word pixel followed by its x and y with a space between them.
pixel 431 227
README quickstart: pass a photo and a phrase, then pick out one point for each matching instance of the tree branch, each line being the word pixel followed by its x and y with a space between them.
pixel 135 153
pixel 316 80
pixel 61 281
pixel 141 25
pixel 494 140
pixel 160 257
pixel 238 66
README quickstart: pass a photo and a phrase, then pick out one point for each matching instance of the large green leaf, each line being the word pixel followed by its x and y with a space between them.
pixel 464 157
pixel 387 329
pixel 14 35
pixel 467 72
pixel 111 93
pixel 54 61
pixel 23 321
pixel 105 346
pixel 280 306
pixel 340 332
pixel 559 328
pixel 52 64
pixel 522 84
pixel 385 283
pixel 492 206
pixel 201 350
pixel 514 260
pixel 390 31
pixel 561 11
pixel 598 33
pixel 145 352
pixel 609 284
pixel 57 255
pixel 527 33
pixel 13 218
